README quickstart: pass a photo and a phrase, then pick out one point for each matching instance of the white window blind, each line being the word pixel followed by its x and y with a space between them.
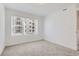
pixel 23 26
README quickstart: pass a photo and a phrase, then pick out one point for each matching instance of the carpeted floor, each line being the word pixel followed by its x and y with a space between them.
pixel 38 48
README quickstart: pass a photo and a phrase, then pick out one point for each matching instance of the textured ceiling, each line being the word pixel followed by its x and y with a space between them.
pixel 39 9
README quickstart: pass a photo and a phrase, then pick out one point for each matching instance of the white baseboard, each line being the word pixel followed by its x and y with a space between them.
pixel 1 50
pixel 61 45
pixel 22 42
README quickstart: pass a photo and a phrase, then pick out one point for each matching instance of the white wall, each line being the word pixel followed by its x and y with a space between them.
pixel 12 40
pixel 2 27
pixel 60 27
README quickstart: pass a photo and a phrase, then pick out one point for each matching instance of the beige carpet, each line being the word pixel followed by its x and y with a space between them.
pixel 38 48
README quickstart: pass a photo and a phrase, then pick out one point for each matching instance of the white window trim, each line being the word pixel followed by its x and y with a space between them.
pixel 23 21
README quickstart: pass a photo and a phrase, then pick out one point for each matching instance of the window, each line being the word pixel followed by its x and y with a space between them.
pixel 17 25
pixel 21 25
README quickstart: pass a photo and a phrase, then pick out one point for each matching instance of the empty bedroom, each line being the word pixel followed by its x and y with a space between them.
pixel 39 29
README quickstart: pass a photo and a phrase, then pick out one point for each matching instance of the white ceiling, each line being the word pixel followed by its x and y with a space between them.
pixel 36 8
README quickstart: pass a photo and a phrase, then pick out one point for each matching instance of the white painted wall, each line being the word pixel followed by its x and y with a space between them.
pixel 12 40
pixel 60 27
pixel 2 27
